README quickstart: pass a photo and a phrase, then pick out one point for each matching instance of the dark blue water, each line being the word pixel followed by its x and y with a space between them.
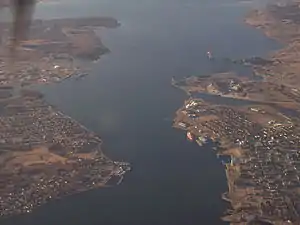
pixel 129 101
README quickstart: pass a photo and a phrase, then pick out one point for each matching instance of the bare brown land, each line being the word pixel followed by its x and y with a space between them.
pixel 52 51
pixel 280 22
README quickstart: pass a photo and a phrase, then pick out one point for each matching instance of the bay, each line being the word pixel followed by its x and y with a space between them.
pixel 129 101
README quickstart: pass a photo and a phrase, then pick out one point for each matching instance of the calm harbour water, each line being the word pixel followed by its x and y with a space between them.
pixel 128 100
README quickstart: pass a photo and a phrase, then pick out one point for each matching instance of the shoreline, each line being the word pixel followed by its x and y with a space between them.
pixel 46 154
pixel 246 131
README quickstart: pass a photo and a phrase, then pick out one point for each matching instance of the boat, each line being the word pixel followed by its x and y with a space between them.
pixel 200 143
pixel 202 139
pixel 209 55
pixel 189 136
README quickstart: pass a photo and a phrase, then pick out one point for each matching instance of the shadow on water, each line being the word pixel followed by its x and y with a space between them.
pixel 221 65
pixel 288 112
pixel 126 98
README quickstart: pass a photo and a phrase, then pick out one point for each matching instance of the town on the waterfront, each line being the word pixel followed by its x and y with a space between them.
pixel 45 154
pixel 262 136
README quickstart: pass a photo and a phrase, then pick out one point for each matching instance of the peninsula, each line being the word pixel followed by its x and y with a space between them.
pixel 53 51
pixel 261 136
pixel 45 154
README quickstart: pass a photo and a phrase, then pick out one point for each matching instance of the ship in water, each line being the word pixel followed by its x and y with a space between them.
pixel 189 136
pixel 209 55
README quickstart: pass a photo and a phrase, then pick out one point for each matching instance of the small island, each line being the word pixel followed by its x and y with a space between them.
pixel 261 136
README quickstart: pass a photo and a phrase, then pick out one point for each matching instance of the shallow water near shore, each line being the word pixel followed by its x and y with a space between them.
pixel 127 98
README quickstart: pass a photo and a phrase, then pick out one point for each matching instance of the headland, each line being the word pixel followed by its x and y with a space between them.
pixel 262 136
pixel 45 154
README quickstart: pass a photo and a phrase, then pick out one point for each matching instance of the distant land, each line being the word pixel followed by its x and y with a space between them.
pixel 53 50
